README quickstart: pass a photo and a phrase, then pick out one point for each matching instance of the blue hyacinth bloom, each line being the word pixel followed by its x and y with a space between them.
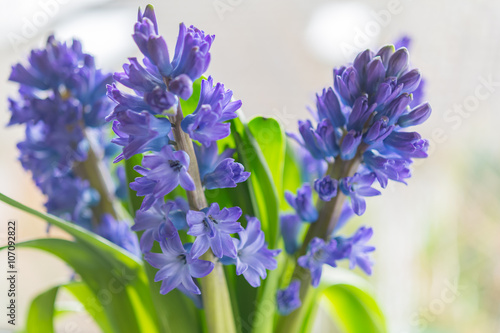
pixel 156 224
pixel 386 168
pixel 321 142
pixel 356 250
pixel 218 171
pixel 326 188
pixel 212 228
pixel 302 203
pixel 118 232
pixel 319 253
pixel 253 257
pixel 139 133
pixel 357 187
pixel 289 299
pixel 163 172
pixel 290 226
pixel 208 121
pixel 177 267
pixel 191 57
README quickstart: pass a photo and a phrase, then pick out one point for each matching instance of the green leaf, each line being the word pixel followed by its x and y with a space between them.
pixel 263 192
pixel 41 312
pixel 354 310
pixel 104 282
pixel 85 296
pixel 43 309
pixel 271 139
pixel 113 253
pixel 291 174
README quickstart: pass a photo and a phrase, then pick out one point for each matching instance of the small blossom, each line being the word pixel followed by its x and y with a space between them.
pixel 350 144
pixel 321 142
pixel 162 172
pixel 218 171
pixel 290 225
pixel 357 187
pixel 289 299
pixel 177 266
pixel 156 224
pixel 139 133
pixel 253 256
pixel 208 122
pixel 416 116
pixel 326 188
pixel 118 232
pixel 387 168
pixel 303 204
pixel 356 250
pixel 319 253
pixel 329 107
pixel 407 144
pixel 212 228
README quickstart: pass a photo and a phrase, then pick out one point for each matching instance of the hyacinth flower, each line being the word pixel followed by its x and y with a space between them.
pixel 288 299
pixel 161 203
pixel 177 266
pixel 362 134
pixel 62 103
pixel 303 204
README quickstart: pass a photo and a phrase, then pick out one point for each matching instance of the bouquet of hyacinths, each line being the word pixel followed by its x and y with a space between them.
pixel 190 219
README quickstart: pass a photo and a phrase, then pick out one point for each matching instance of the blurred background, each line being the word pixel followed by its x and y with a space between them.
pixel 438 239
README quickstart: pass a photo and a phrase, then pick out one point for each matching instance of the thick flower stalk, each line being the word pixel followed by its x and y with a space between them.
pixel 362 134
pixel 182 152
pixel 62 104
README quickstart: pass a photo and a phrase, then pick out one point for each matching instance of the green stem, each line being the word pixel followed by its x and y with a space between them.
pixel 216 299
pixel 93 170
pixel 329 213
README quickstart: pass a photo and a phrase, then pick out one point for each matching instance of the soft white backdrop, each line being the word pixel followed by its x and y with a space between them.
pixel 439 231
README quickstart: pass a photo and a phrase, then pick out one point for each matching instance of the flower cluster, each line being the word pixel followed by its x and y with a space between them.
pixel 144 121
pixel 62 103
pixel 362 134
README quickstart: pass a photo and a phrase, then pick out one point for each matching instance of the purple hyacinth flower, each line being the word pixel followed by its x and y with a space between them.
pixel 360 114
pixel 350 144
pixel 321 142
pixel 118 232
pixel 386 168
pixel 163 172
pixel 139 133
pixel 303 203
pixel 212 228
pixel 329 107
pixel 253 256
pixel 357 187
pixel 289 299
pixel 290 225
pixel 177 266
pixel 326 188
pixel 416 116
pixel 356 250
pixel 191 57
pixel 378 131
pixel 218 171
pixel 156 224
pixel 407 144
pixel 319 252
pixel 208 122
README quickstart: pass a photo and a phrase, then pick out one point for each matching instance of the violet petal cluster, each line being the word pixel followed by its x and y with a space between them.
pixel 62 104
pixel 360 139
